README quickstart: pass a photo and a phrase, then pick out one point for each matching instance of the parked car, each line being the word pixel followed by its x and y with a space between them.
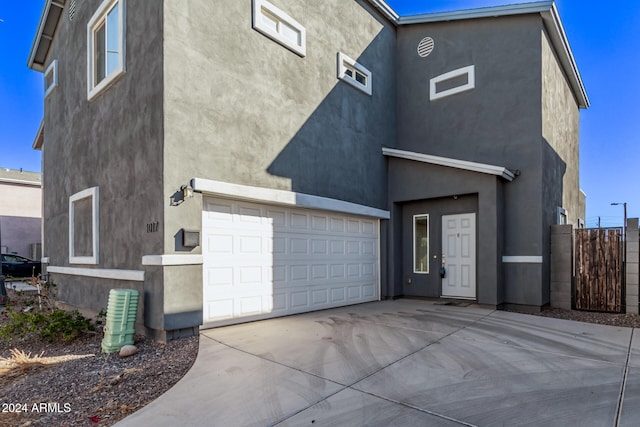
pixel 19 266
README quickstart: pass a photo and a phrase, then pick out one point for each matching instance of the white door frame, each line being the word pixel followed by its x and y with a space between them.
pixel 459 256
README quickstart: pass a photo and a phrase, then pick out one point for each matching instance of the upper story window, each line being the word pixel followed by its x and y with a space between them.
pixel 105 46
pixel 354 73
pixel 51 78
pixel 279 27
pixel 453 82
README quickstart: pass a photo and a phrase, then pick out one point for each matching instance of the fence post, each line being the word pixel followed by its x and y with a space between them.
pixel 631 268
pixel 561 265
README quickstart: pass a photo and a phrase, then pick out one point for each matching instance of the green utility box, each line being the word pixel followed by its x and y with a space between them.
pixel 120 324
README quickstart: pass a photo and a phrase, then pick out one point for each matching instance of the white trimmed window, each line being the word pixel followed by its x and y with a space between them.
pixel 84 227
pixel 51 78
pixel 421 244
pixel 562 216
pixel 354 73
pixel 279 27
pixel 453 82
pixel 105 46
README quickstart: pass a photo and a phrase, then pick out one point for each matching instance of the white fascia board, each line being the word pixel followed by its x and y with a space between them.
pixel 21 182
pixel 39 33
pixel 483 12
pixel 386 10
pixel 36 40
pixel 549 13
pixel 38 141
pixel 102 273
pixel 173 259
pixel 500 171
pixel 284 197
pixel 560 42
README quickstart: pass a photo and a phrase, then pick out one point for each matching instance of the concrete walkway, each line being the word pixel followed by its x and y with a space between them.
pixel 407 363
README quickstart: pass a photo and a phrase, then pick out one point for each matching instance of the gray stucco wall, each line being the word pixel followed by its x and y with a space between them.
pixel 498 122
pixel 247 110
pixel 255 113
pixel 113 142
pixel 418 185
pixel 560 129
pixel 520 115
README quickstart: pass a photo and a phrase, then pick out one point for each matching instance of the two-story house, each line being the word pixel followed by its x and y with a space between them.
pixel 239 160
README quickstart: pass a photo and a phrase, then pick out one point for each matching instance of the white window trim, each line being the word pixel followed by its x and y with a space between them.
pixel 471 82
pixel 98 17
pixel 93 193
pixel 415 270
pixel 51 69
pixel 259 6
pixel 562 213
pixel 345 63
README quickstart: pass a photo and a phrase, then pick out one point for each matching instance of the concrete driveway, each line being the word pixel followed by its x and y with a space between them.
pixel 407 362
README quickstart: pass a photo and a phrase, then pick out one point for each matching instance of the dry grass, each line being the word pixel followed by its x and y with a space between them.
pixel 21 363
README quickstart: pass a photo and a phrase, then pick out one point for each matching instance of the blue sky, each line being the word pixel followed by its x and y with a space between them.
pixel 604 37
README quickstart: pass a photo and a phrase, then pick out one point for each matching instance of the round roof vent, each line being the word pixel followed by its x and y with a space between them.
pixel 425 47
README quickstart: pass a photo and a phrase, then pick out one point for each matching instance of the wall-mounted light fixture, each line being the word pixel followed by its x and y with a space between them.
pixel 187 191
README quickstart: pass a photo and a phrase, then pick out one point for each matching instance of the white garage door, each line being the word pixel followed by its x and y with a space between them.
pixel 264 261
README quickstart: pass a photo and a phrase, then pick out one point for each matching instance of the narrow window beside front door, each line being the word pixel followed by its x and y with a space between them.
pixel 421 243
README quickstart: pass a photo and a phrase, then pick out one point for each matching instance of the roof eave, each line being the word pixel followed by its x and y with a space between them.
pixel 558 37
pixel 484 12
pixel 38 142
pixel 386 10
pixel 551 19
pixel 498 171
pixel 46 15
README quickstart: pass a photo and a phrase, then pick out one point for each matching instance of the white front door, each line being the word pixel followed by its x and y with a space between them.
pixel 459 255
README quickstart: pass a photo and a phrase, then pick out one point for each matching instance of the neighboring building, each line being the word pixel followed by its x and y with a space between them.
pixel 20 213
pixel 238 160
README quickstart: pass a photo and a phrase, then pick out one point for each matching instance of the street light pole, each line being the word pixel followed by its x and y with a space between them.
pixel 624 225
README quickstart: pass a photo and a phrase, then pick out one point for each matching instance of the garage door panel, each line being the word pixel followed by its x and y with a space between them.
pixel 320 296
pixel 299 299
pixel 264 261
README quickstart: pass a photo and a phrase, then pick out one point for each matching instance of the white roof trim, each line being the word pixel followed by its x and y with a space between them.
pixel 500 171
pixel 40 33
pixel 284 197
pixel 483 12
pixel 551 19
pixel 560 41
pixel 386 10
pixel 38 141
pixel 21 182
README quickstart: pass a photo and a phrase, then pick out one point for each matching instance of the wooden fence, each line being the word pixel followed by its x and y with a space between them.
pixel 599 266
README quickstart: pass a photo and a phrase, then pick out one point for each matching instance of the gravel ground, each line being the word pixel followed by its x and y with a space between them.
pixel 75 384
